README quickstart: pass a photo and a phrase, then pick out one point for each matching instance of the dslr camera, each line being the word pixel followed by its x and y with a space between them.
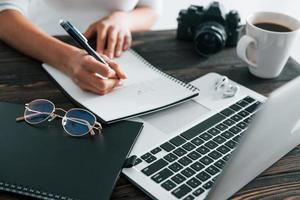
pixel 210 29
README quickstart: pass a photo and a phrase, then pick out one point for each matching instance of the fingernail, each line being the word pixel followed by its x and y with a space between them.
pixel 118 53
pixel 125 76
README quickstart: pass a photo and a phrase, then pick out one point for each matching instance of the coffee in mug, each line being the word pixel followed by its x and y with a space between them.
pixel 267 43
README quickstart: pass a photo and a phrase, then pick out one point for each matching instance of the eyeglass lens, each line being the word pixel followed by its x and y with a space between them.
pixel 38 111
pixel 76 127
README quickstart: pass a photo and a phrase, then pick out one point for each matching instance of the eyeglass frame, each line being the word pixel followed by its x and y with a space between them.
pixel 51 116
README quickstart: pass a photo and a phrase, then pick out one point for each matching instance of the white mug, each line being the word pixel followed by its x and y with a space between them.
pixel 267 51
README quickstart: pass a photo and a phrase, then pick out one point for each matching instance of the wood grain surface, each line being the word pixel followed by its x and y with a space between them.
pixel 22 79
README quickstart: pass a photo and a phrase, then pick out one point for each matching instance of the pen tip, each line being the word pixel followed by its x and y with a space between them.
pixel 61 21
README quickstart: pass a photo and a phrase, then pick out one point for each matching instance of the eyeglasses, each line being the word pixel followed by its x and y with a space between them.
pixel 76 121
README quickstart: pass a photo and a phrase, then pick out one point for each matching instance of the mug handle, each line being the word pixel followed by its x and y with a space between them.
pixel 242 46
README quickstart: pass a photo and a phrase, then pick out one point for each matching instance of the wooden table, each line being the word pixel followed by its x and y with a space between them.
pixel 22 79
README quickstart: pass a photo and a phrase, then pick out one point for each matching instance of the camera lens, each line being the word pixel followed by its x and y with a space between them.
pixel 209 38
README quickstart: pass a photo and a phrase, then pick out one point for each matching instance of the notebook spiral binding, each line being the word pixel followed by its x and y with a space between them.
pixel 186 85
pixel 30 192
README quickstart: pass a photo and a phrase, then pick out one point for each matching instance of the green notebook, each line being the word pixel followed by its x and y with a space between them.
pixel 44 162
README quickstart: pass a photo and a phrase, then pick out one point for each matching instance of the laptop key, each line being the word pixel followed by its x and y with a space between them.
pixel 202 149
pixel 162 175
pixel 242 125
pixel 189 146
pixel 235 130
pixel 175 167
pixel 188 172
pixel 213 131
pixel 223 149
pixel 247 120
pixel 154 167
pixel 167 146
pixel 208 185
pixel 206 160
pixel 145 156
pixel 197 141
pixel 219 139
pixel 236 138
pixel 253 107
pixel 226 157
pixel 177 141
pixel 198 192
pixel 211 145
pixel 193 182
pixel 156 150
pixel 168 185
pixel 220 164
pixel 170 157
pixel 222 127
pixel 189 197
pixel 243 113
pixel 197 166
pixel 203 126
pixel 178 178
pixel 227 134
pixel 194 155
pixel 185 161
pixel 180 151
pixel 151 159
pixel 242 103
pixel 231 144
pixel 203 176
pixel 229 122
pixel 227 112
pixel 215 155
pixel 235 107
pixel 249 99
pixel 181 191
pixel 205 136
pixel 212 170
pixel 236 118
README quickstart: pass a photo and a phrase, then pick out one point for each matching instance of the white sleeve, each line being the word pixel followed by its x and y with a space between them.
pixel 154 4
pixel 19 5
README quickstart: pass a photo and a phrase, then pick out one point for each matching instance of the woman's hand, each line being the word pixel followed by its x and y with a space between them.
pixel 113 34
pixel 91 75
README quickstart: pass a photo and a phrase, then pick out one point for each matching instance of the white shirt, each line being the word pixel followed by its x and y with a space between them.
pixel 82 13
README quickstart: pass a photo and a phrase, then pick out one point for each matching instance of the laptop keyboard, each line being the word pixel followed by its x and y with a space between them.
pixel 192 160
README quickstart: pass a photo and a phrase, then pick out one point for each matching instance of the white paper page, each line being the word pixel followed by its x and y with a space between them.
pixel 144 89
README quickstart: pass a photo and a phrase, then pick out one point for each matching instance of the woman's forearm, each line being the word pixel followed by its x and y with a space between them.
pixel 142 18
pixel 17 31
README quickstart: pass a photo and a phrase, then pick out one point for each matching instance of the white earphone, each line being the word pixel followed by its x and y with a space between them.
pixel 226 88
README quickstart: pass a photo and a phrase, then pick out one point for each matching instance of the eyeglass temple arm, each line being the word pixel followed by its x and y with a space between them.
pixel 22 118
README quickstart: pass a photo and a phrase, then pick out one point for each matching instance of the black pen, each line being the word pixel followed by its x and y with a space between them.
pixel 81 40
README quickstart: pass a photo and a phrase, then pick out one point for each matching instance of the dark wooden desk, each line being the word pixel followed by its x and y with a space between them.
pixel 22 79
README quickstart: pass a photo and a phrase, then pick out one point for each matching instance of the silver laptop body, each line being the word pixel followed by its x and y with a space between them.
pixel 183 150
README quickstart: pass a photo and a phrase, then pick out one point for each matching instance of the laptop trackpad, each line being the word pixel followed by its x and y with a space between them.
pixel 174 118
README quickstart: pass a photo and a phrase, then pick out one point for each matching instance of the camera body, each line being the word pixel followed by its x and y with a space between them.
pixel 210 28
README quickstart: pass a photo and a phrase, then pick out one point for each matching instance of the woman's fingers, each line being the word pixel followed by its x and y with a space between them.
pixel 127 42
pixel 101 37
pixel 90 31
pixel 111 41
pixel 89 81
pixel 115 66
pixel 94 66
pixel 119 45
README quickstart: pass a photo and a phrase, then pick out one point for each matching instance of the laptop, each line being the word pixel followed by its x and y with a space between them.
pixel 201 149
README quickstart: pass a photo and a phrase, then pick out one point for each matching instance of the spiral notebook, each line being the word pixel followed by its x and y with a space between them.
pixel 146 90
